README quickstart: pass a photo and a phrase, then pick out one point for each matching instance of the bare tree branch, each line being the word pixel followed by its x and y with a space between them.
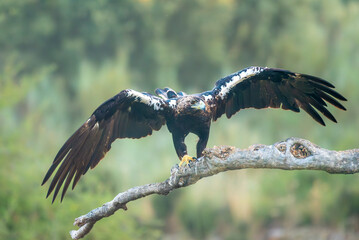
pixel 292 154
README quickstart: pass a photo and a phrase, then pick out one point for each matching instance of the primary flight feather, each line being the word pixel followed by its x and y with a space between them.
pixel 131 114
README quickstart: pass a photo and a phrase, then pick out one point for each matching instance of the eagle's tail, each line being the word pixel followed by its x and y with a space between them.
pixel 168 93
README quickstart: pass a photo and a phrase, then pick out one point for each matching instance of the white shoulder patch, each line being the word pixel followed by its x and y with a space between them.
pixel 143 98
pixel 172 103
pixel 239 77
pixel 207 97
pixel 156 104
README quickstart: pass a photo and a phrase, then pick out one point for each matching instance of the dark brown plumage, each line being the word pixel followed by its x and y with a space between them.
pixel 131 114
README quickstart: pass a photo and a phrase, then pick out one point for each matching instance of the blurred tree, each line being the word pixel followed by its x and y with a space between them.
pixel 60 59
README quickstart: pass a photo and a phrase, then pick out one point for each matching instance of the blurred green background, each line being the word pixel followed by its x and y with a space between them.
pixel 61 59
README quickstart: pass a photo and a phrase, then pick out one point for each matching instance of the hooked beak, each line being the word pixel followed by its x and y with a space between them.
pixel 199 105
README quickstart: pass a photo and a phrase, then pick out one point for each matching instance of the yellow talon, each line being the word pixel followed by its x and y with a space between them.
pixel 186 160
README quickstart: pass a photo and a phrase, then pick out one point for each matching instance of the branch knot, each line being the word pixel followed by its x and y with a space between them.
pixel 298 150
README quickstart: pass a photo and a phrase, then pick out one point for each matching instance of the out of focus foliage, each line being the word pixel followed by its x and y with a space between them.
pixel 60 59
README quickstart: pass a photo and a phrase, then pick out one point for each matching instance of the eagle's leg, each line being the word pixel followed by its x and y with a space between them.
pixel 181 149
pixel 180 146
pixel 202 143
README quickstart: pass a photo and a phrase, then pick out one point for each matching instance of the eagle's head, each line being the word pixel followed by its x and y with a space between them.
pixel 198 104
pixel 190 104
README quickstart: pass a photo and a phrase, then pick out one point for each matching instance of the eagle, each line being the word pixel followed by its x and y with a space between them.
pixel 132 114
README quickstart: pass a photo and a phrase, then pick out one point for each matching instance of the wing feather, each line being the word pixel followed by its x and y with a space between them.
pixel 257 87
pixel 129 114
pixel 331 100
pixel 321 108
pixel 68 181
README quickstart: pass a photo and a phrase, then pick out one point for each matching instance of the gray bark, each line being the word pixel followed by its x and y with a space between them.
pixel 292 154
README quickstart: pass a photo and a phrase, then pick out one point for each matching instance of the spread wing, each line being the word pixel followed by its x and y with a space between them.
pixel 129 114
pixel 257 87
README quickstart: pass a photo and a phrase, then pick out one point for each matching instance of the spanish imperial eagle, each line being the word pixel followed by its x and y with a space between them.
pixel 131 114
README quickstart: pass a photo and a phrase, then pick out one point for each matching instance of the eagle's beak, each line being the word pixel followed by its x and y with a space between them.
pixel 199 105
